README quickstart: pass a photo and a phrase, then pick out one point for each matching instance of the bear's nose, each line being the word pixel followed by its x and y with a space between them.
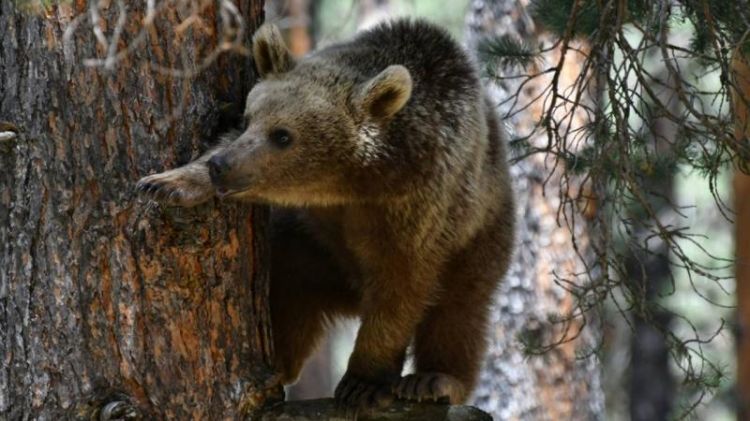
pixel 217 167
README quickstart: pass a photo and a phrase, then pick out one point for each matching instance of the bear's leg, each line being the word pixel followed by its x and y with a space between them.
pixel 450 342
pixel 448 350
pixel 396 293
pixel 307 290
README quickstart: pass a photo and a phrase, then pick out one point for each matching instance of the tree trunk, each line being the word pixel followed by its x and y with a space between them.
pixel 651 387
pixel 112 307
pixel 563 383
pixel 299 40
pixel 741 79
pixel 295 19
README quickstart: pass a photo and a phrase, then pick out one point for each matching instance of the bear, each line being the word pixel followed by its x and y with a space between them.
pixel 385 167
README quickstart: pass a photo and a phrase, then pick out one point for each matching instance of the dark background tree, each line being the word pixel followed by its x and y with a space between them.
pixel 741 183
pixel 651 384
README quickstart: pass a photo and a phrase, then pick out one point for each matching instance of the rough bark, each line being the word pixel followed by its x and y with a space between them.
pixel 563 383
pixel 111 306
pixel 741 185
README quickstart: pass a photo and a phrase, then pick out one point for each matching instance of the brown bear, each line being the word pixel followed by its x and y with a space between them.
pixel 387 172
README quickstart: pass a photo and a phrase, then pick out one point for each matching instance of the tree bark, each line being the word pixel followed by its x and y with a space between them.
pixel 110 306
pixel 741 184
pixel 563 383
pixel 295 19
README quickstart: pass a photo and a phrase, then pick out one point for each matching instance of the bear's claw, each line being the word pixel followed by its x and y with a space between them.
pixel 436 387
pixel 176 188
pixel 353 392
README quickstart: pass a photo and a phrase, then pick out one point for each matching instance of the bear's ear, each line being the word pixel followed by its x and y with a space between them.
pixel 270 52
pixel 384 95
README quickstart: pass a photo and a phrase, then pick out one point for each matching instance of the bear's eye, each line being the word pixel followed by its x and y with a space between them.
pixel 280 137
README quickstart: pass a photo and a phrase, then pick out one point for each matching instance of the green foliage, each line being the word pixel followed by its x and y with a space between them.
pixel 532 341
pixel 555 16
pixel 584 18
pixel 506 51
pixel 718 23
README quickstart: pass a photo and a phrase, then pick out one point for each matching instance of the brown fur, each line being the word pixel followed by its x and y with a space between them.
pixel 389 175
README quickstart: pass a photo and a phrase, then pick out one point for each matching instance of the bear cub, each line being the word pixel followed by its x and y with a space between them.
pixel 386 169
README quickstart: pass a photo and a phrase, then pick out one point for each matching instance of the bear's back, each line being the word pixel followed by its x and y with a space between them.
pixel 439 67
pixel 440 140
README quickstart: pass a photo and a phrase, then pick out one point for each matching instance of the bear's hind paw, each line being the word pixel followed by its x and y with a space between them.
pixel 437 387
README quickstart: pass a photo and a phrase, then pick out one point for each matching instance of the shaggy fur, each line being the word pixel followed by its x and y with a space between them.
pixel 388 172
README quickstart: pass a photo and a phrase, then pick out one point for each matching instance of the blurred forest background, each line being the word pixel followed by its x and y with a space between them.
pixel 638 377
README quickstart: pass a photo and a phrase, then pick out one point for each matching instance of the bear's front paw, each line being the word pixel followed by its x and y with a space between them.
pixel 356 392
pixel 436 387
pixel 176 187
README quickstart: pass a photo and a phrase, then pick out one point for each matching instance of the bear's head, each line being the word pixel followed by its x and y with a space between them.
pixel 313 128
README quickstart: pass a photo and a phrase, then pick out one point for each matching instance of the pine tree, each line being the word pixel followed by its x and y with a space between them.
pixel 112 307
pixel 540 364
pixel 617 155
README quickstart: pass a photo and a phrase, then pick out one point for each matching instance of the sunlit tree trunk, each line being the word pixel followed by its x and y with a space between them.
pixel 295 19
pixel 563 383
pixel 112 307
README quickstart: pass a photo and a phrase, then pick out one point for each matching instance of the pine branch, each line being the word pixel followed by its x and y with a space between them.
pixel 507 51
